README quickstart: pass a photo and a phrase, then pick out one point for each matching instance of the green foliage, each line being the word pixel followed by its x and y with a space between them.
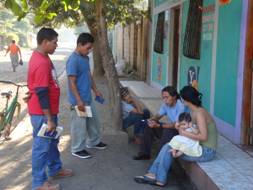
pixel 13 29
pixel 74 12
pixel 16 7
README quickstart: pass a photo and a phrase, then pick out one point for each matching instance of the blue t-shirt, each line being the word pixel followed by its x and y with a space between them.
pixel 126 108
pixel 78 66
pixel 172 113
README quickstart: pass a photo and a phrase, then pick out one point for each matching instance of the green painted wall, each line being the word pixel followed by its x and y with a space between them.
pixel 227 57
pixel 160 61
pixel 205 62
pixel 227 61
pixel 159 65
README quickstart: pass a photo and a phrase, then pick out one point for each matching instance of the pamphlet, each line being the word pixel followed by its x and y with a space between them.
pixel 87 113
pixel 52 134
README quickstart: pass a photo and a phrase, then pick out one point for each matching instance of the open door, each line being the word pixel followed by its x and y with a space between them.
pixel 174 40
pixel 247 116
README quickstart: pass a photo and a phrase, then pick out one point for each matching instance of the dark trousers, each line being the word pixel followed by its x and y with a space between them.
pixel 164 134
pixel 136 120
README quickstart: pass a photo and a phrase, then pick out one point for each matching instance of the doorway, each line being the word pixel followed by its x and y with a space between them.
pixel 174 46
pixel 247 115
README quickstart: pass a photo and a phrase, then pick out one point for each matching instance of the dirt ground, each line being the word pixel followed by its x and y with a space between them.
pixel 109 169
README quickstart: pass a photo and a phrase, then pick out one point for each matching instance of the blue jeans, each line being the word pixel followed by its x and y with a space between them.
pixel 84 130
pixel 45 153
pixel 136 120
pixel 163 161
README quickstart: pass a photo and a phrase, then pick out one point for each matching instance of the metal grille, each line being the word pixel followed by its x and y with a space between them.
pixel 192 38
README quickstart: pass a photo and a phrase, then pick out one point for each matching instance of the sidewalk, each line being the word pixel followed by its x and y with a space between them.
pixel 110 169
pixel 232 167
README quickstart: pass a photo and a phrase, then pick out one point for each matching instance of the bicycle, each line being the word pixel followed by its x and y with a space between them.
pixel 7 114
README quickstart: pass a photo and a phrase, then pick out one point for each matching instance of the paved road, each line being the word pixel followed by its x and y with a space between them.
pixel 110 169
pixel 20 76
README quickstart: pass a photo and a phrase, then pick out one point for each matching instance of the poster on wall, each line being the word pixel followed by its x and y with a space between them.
pixel 159 69
pixel 193 76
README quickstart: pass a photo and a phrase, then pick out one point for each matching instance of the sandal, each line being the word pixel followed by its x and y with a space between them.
pixel 63 173
pixel 144 179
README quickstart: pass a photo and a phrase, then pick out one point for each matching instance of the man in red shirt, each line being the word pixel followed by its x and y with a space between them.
pixel 43 107
pixel 14 51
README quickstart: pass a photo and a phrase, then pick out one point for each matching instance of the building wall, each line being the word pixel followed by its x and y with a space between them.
pixel 159 65
pixel 203 66
pixel 118 53
pixel 216 72
pixel 228 46
pixel 126 46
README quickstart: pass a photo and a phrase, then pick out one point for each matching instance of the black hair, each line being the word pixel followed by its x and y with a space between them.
pixel 190 94
pixel 85 38
pixel 46 34
pixel 172 91
pixel 124 92
pixel 184 117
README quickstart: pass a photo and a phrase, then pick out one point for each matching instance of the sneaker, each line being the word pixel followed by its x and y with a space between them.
pixel 81 154
pixel 99 146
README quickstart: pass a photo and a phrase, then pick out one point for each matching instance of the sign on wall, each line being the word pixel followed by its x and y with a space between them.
pixel 208 22
pixel 193 76
pixel 159 70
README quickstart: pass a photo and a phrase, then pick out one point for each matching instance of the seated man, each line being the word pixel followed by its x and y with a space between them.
pixel 171 108
pixel 133 115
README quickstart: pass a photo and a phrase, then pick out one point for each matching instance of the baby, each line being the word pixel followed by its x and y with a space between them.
pixel 184 145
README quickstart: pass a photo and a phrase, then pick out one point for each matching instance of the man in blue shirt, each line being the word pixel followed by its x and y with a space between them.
pixel 85 131
pixel 171 108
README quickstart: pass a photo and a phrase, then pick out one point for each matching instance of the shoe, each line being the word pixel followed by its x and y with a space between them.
pixel 99 146
pixel 144 179
pixel 82 154
pixel 141 157
pixel 49 186
pixel 63 173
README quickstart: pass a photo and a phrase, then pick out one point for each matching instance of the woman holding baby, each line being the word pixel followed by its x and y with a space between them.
pixel 207 137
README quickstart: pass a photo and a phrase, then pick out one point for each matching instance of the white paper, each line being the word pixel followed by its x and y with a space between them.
pixel 87 113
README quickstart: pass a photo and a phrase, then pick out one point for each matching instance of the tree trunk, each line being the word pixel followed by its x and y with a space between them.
pixel 97 59
pixel 109 66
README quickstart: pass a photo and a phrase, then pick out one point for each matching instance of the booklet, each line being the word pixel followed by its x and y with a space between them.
pixel 52 134
pixel 87 113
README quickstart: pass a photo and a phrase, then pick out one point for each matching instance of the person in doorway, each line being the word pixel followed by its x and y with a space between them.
pixel 157 173
pixel 15 54
pixel 85 131
pixel 171 108
pixel 133 114
pixel 43 107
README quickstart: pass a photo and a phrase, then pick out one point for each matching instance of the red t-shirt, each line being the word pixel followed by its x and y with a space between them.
pixel 40 74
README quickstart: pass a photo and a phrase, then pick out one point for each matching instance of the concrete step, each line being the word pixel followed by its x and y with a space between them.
pixel 230 170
